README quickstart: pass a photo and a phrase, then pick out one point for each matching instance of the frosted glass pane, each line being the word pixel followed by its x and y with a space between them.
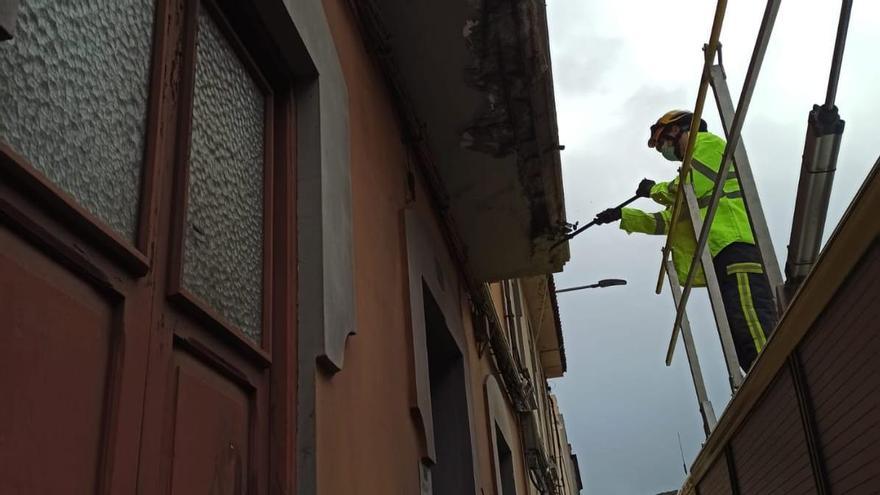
pixel 73 99
pixel 223 258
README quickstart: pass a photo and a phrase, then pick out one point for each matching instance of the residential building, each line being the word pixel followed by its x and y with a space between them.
pixel 278 247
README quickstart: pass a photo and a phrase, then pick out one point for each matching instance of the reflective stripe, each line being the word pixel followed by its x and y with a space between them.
pixel 705 200
pixel 748 309
pixel 705 170
pixel 747 267
pixel 659 224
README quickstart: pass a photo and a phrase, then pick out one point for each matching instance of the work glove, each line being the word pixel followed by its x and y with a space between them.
pixel 644 190
pixel 608 216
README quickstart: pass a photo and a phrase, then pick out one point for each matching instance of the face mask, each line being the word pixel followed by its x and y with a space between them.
pixel 668 152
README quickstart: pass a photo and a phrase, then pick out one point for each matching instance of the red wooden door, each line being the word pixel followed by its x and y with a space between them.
pixel 146 254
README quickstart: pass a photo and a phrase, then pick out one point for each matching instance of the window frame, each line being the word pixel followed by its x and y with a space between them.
pixel 189 301
pixel 134 256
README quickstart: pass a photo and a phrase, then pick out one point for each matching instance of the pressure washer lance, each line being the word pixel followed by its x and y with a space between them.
pixel 585 227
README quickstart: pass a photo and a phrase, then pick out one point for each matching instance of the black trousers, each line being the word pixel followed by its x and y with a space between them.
pixel 748 299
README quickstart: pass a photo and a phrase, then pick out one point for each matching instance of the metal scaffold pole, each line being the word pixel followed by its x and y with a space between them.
pixel 736 127
pixel 685 170
pixel 747 184
pixel 706 410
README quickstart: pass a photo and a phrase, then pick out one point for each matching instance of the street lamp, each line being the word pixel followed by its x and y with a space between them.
pixel 608 282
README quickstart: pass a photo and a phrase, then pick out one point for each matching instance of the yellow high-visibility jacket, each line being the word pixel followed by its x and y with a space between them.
pixel 731 223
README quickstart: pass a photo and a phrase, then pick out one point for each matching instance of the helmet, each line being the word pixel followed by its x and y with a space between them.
pixel 680 117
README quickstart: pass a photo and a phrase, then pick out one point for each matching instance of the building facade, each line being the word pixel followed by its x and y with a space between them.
pixel 279 246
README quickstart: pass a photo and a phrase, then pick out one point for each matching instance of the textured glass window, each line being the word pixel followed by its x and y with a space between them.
pixel 73 99
pixel 223 258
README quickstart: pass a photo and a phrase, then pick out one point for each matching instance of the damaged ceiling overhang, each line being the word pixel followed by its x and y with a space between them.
pixel 540 295
pixel 477 76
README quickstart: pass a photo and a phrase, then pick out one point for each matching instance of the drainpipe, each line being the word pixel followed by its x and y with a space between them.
pixel 542 471
pixel 822 146
pixel 518 387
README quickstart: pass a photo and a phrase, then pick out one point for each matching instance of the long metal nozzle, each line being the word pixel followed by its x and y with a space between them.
pixel 568 237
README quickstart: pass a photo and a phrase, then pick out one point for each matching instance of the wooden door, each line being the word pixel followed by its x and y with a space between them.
pixel 146 254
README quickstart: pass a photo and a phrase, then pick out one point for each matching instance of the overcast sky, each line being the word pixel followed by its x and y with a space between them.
pixel 618 65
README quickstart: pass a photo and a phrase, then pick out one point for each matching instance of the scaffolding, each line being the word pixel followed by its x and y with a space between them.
pixel 817 169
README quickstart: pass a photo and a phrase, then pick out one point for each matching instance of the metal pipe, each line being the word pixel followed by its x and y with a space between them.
pixel 569 236
pixel 736 127
pixel 706 410
pixel 728 350
pixel 710 50
pixel 502 355
pixel 821 149
pixel 837 59
pixel 743 168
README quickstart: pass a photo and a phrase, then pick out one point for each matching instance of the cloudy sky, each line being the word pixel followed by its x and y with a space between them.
pixel 617 67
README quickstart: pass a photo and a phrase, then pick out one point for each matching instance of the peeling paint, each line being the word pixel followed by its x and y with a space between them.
pixel 511 67
pixel 504 110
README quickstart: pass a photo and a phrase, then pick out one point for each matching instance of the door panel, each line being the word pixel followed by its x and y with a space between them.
pixel 213 421
pixel 56 338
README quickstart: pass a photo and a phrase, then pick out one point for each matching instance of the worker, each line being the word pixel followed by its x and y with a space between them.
pixel 745 290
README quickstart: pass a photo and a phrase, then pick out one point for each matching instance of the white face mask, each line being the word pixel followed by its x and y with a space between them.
pixel 668 152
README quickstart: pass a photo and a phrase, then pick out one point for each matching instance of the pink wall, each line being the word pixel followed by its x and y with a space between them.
pixel 367 439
